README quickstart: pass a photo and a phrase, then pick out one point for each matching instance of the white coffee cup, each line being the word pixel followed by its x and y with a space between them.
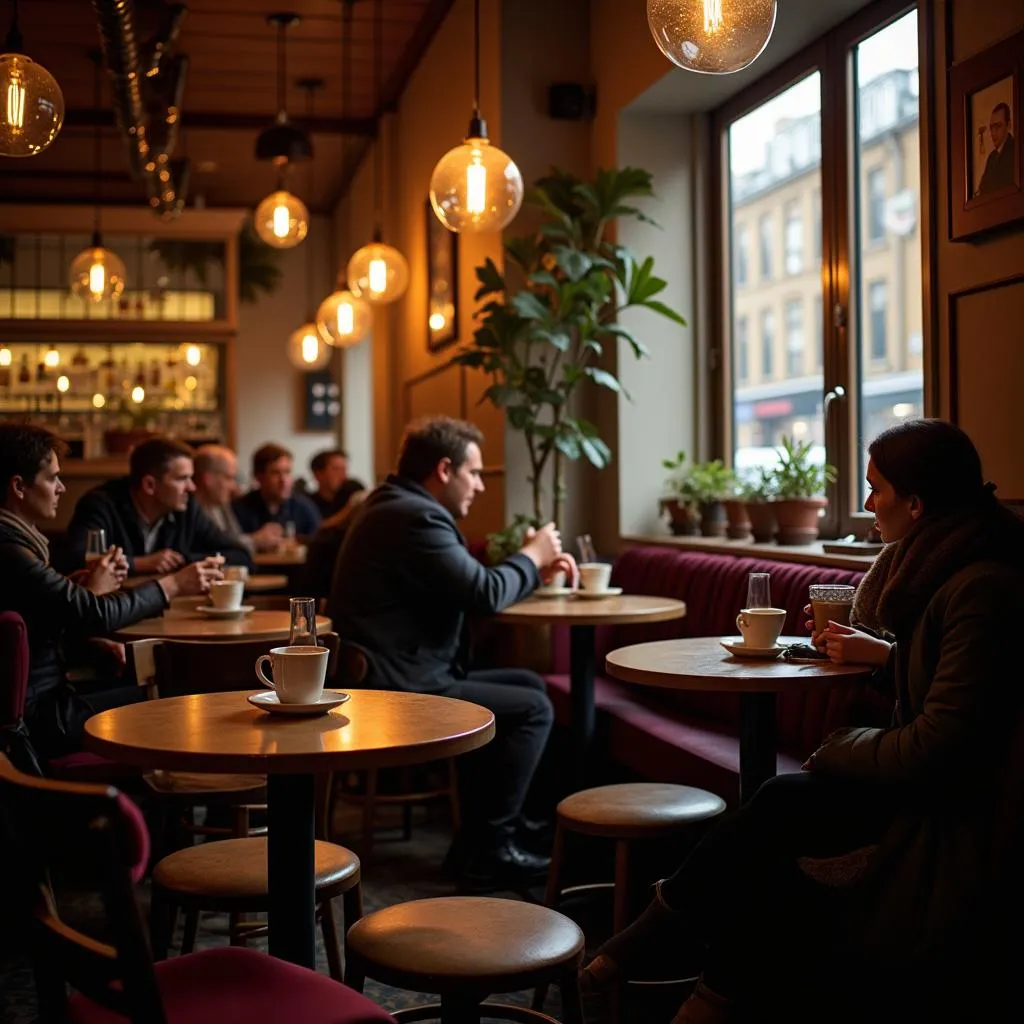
pixel 236 572
pixel 226 594
pixel 761 626
pixel 595 576
pixel 557 582
pixel 299 673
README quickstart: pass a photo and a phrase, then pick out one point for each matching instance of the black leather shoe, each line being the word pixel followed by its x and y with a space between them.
pixel 506 866
pixel 535 836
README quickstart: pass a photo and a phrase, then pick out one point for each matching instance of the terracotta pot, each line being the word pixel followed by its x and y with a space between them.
pixel 798 519
pixel 739 519
pixel 684 520
pixel 763 524
pixel 713 519
pixel 121 442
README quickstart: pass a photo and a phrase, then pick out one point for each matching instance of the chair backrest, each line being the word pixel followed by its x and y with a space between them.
pixel 173 668
pixel 14 666
pixel 97 835
pixel 353 666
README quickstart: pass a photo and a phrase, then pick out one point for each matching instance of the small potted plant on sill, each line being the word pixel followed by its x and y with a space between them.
pixel 799 492
pixel 680 500
pixel 711 483
pixel 757 497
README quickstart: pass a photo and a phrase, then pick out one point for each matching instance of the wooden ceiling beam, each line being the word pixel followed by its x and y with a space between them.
pixel 92 118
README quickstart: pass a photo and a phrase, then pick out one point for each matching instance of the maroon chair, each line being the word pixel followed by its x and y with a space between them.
pixel 100 834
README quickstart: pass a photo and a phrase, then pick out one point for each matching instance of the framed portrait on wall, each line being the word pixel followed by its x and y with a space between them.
pixel 986 159
pixel 442 283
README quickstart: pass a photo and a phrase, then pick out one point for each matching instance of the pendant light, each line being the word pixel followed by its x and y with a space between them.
pixel 714 37
pixel 31 103
pixel 343 318
pixel 282 220
pixel 283 142
pixel 306 349
pixel 377 272
pixel 96 273
pixel 476 187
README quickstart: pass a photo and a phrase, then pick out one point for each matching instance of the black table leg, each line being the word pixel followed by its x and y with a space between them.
pixel 757 742
pixel 581 698
pixel 290 868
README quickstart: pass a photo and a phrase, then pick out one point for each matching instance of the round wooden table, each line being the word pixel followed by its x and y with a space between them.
pixel 284 557
pixel 701 663
pixel 183 623
pixel 583 616
pixel 222 732
pixel 261 583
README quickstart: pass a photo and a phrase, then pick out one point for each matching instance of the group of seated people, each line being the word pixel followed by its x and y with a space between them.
pixel 900 828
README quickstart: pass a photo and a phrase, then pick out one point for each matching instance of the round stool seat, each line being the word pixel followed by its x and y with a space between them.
pixel 637 810
pixel 236 869
pixel 196 784
pixel 458 942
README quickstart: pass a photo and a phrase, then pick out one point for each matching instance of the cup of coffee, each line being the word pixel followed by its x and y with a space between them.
pixel 236 572
pixel 831 601
pixel 761 627
pixel 226 595
pixel 299 673
pixel 557 582
pixel 595 576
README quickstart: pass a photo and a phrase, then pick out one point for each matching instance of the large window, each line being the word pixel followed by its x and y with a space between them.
pixel 837 147
pixel 742 342
pixel 742 256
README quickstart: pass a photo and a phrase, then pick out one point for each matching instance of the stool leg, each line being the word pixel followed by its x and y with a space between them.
pixel 163 915
pixel 572 1004
pixel 453 795
pixel 332 947
pixel 188 942
pixel 355 973
pixel 369 812
pixel 554 888
pixel 352 908
pixel 620 915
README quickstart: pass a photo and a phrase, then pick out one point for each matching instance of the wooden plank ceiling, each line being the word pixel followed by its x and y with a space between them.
pixel 230 96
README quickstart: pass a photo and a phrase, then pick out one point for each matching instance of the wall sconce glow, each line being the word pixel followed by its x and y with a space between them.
pixel 97 273
pixel 378 273
pixel 138 394
pixel 437 321
pixel 191 383
pixel 282 220
pixel 193 356
pixel 63 383
pixel 98 401
pixel 51 358
pixel 713 37
pixel 307 350
pixel 5 356
pixel 31 105
pixel 476 188
pixel 343 319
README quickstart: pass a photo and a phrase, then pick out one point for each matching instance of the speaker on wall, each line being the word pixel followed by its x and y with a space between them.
pixel 571 101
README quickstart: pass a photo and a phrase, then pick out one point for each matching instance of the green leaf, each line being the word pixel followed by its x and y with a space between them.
pixel 530 307
pixel 502 395
pixel 569 446
pixel 543 277
pixel 666 311
pixel 598 454
pixel 558 339
pixel 490 279
pixel 573 263
pixel 519 417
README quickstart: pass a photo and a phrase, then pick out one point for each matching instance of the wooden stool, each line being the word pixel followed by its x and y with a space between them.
pixel 230 876
pixel 466 948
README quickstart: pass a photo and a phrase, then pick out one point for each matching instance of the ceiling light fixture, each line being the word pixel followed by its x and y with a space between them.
pixel 713 37
pixel 31 103
pixel 476 187
pixel 283 142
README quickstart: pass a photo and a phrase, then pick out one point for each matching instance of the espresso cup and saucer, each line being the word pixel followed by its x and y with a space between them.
pixel 225 598
pixel 298 684
pixel 555 587
pixel 760 629
pixel 594 580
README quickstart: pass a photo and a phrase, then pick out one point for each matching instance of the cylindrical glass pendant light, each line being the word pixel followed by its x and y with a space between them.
pixel 714 37
pixel 282 220
pixel 307 350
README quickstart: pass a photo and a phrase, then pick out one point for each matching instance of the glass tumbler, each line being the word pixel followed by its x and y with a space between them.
pixel 302 631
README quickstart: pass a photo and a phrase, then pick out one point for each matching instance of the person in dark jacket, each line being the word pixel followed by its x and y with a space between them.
pixel 902 845
pixel 272 499
pixel 334 487
pixel 57 610
pixel 324 547
pixel 151 514
pixel 403 584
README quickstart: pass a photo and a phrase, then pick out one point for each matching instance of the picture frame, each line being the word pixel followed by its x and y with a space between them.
pixel 986 156
pixel 442 283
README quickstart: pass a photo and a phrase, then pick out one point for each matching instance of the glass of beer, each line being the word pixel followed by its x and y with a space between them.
pixel 95 545
pixel 831 601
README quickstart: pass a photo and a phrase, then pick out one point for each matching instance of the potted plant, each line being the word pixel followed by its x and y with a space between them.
pixel 680 501
pixel 736 513
pixel 542 343
pixel 799 492
pixel 757 497
pixel 712 482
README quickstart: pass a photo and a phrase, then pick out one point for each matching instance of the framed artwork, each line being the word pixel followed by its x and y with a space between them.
pixel 986 160
pixel 321 404
pixel 442 283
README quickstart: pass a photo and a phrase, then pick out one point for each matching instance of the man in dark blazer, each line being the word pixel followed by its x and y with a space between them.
pixel 151 514
pixel 403 583
pixel 1000 168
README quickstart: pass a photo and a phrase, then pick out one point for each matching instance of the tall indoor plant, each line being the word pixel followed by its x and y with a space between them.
pixel 542 341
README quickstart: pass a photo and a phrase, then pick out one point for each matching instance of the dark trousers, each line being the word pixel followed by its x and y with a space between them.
pixel 741 886
pixel 493 781
pixel 57 720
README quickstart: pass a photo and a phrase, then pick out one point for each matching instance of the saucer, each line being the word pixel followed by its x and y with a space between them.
pixel 739 649
pixel 225 613
pixel 270 701
pixel 596 595
pixel 553 592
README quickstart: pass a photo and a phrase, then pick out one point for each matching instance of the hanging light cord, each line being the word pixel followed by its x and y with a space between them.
pixel 14 42
pixel 97 162
pixel 310 91
pixel 282 72
pixel 378 156
pixel 476 59
pixel 346 98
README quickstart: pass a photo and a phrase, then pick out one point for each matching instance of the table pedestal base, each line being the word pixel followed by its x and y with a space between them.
pixel 582 661
pixel 291 868
pixel 758 753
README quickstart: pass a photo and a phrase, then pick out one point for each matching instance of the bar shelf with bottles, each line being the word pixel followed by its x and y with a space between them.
pixel 103 398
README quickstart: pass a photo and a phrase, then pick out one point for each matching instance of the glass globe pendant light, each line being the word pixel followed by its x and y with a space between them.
pixel 31 103
pixel 307 350
pixel 282 220
pixel 476 187
pixel 714 37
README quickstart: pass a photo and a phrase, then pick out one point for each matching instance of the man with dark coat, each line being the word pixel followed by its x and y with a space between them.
pixel 1000 167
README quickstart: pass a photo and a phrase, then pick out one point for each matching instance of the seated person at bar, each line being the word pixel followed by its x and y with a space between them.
pixel 57 610
pixel 403 583
pixel 324 546
pixel 216 480
pixel 334 486
pixel 895 849
pixel 150 516
pixel 272 500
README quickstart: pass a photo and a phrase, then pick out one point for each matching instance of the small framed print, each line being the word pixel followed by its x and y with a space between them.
pixel 442 283
pixel 987 163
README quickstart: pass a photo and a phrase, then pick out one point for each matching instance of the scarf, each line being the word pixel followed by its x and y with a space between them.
pixel 907 573
pixel 27 534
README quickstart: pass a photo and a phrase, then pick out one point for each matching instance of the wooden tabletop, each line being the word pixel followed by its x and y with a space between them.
pixel 222 732
pixel 701 663
pixel 289 556
pixel 265 581
pixel 608 611
pixel 184 623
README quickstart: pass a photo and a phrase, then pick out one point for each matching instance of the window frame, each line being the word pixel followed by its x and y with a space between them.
pixel 831 56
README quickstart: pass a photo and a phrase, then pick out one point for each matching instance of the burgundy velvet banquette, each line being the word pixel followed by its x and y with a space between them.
pixel 686 737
